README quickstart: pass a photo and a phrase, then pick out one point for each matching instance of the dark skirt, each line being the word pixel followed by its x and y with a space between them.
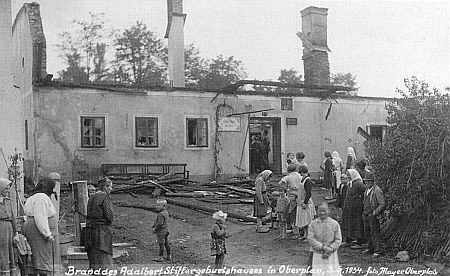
pixel 7 261
pixel 218 247
pixel 98 244
pixel 99 259
pixel 352 224
pixel 260 210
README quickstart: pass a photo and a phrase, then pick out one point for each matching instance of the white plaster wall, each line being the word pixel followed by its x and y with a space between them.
pixel 59 110
pixel 11 135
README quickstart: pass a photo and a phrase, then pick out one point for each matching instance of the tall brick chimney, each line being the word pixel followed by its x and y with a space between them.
pixel 175 34
pixel 315 51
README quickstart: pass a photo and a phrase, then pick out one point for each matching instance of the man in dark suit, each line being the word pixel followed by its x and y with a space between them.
pixel 374 205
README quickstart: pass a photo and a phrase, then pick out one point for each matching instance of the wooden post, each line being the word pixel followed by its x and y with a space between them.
pixel 80 197
pixel 55 201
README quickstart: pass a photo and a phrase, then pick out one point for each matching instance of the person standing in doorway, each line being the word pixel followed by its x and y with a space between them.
pixel 374 205
pixel 265 148
pixel 255 155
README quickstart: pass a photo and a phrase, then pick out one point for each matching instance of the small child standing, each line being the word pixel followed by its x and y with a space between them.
pixel 218 235
pixel 273 213
pixel 282 203
pixel 162 230
pixel 291 214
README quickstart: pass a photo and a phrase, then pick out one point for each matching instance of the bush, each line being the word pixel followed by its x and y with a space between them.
pixel 412 163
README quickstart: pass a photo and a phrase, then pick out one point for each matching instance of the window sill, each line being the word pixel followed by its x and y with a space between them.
pixel 196 148
pixel 145 149
pixel 92 149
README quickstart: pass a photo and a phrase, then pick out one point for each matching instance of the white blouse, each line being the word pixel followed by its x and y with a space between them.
pixel 41 208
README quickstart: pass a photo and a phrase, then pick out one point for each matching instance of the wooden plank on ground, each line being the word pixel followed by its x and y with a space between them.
pixel 241 190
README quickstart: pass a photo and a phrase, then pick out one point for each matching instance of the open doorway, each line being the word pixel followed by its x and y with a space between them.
pixel 265 144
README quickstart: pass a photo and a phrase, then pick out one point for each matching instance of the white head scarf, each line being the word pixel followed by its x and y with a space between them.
pixel 4 183
pixel 354 175
pixel 351 151
pixel 336 158
pixel 264 175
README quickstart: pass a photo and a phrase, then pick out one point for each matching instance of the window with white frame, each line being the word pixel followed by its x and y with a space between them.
pixel 197 132
pixel 146 132
pixel 92 131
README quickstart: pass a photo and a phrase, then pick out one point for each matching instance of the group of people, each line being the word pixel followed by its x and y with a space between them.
pixel 333 167
pixel 36 240
pixel 259 152
pixel 361 200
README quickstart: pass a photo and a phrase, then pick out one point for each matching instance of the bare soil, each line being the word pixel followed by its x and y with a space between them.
pixel 190 238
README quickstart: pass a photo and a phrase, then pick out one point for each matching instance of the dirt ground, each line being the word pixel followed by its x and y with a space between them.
pixel 190 237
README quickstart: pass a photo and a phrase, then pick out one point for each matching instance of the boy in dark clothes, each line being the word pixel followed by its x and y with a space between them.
pixel 162 229
pixel 273 213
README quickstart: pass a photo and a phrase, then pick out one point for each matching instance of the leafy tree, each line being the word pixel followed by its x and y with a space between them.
pixel 290 76
pixel 412 166
pixel 342 79
pixel 84 49
pixel 286 76
pixel 74 72
pixel 221 72
pixel 141 57
pixel 196 66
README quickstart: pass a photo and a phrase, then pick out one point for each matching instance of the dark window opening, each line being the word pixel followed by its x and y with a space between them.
pixel 197 132
pixel 92 132
pixel 376 132
pixel 146 132
pixel 26 134
pixel 286 104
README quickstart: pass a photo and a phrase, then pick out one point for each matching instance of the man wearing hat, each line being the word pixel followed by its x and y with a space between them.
pixel 374 205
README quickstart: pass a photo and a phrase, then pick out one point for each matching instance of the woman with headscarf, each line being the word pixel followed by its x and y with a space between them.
pixel 338 166
pixel 41 228
pixel 261 200
pixel 352 223
pixel 98 235
pixel 8 230
pixel 351 158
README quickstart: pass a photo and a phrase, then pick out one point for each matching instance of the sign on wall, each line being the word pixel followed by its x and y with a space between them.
pixel 230 124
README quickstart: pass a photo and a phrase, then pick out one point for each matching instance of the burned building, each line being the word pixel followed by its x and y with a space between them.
pixel 74 129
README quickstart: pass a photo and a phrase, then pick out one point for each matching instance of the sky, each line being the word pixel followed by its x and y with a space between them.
pixel 380 42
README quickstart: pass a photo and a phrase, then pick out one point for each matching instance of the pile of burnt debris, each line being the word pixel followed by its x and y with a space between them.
pixel 232 191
